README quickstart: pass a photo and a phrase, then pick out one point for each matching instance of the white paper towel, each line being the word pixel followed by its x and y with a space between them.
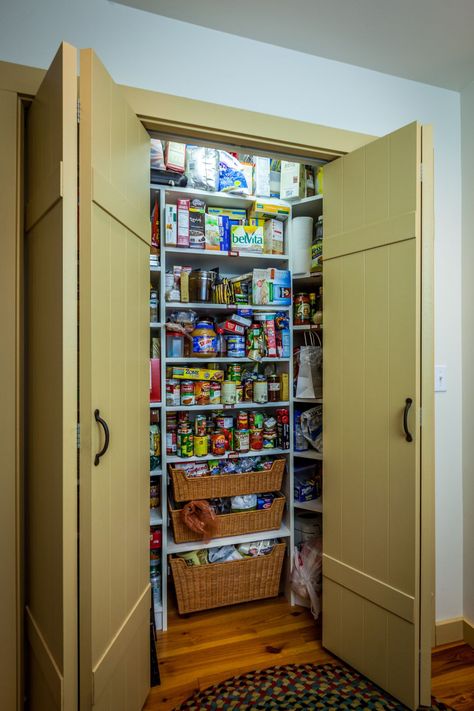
pixel 301 237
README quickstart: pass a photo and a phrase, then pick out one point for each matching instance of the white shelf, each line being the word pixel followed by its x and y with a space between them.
pixel 223 307
pixel 233 455
pixel 309 454
pixel 237 406
pixel 309 207
pixel 216 199
pixel 315 401
pixel 155 270
pixel 155 517
pixel 282 532
pixel 155 404
pixel 310 327
pixel 185 361
pixel 155 324
pixel 306 276
pixel 187 253
pixel 315 505
pixel 156 472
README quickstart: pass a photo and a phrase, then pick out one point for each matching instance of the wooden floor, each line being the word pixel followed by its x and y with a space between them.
pixel 202 649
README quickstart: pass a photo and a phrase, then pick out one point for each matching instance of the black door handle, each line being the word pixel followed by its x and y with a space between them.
pixel 104 424
pixel 408 404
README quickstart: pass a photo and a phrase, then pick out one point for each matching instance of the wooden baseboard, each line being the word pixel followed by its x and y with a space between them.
pixel 448 631
pixel 469 632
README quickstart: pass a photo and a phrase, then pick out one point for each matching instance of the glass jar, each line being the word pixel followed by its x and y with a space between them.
pixel 318 315
pixel 273 388
pixel 205 343
pixel 302 310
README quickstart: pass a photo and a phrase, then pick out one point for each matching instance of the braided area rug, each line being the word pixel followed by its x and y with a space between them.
pixel 297 686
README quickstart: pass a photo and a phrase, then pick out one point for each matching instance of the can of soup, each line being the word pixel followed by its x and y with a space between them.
pixel 218 443
pixel 228 393
pixel 214 393
pixel 187 393
pixel 242 440
pixel 200 446
pixel 202 392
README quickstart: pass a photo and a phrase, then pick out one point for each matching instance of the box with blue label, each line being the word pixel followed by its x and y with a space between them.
pixel 271 286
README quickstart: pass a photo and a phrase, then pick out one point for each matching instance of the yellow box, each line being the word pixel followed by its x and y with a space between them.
pixel 197 374
pixel 269 209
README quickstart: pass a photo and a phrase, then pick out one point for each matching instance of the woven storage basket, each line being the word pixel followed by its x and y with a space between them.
pixel 233 524
pixel 216 584
pixel 214 487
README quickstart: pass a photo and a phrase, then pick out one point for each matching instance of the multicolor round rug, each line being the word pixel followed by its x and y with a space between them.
pixel 297 686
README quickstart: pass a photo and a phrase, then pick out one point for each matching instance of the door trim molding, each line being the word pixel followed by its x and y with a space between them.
pixel 46 661
pixel 111 656
pixel 381 594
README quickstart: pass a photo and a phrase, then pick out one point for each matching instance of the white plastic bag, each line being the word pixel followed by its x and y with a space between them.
pixel 306 574
pixel 309 383
pixel 312 426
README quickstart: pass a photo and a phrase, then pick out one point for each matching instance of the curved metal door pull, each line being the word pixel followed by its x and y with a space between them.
pixel 408 404
pixel 102 422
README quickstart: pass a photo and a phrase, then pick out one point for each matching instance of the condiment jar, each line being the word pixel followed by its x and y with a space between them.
pixel 204 340
pixel 302 310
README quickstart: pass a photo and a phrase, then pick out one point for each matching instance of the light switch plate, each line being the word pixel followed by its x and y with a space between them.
pixel 440 379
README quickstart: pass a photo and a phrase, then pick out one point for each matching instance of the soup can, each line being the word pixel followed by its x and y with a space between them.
pixel 224 422
pixel 260 391
pixel 256 420
pixel 242 440
pixel 215 393
pixel 200 446
pixel 173 392
pixel 228 392
pixel 187 393
pixel 200 426
pixel 185 442
pixel 256 440
pixel 171 443
pixel 234 372
pixel 218 443
pixel 239 393
pixel 248 390
pixel 202 392
pixel 242 420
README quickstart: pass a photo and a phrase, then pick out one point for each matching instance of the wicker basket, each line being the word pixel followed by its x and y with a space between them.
pixel 213 487
pixel 217 584
pixel 233 524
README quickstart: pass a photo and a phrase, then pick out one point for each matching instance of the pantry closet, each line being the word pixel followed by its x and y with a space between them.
pixel 377 346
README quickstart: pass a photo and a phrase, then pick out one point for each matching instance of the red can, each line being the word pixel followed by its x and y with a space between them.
pixel 256 440
pixel 218 441
pixel 242 420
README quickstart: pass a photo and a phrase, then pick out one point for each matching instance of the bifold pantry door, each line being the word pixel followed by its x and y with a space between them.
pixel 374 248
pixel 114 231
pixel 51 388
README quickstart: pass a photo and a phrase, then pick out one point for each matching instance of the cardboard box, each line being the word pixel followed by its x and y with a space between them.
pixel 196 374
pixel 212 232
pixel 175 156
pixel 232 327
pixel 182 239
pixel 246 238
pixel 261 209
pixel 242 320
pixel 170 225
pixel 273 237
pixel 197 226
pixel 262 176
pixel 155 380
pixel 235 213
pixel 224 232
pixel 247 169
pixel 271 286
pixel 293 180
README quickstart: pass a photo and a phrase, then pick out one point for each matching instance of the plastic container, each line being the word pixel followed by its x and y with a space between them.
pixel 205 343
pixel 307 526
pixel 200 283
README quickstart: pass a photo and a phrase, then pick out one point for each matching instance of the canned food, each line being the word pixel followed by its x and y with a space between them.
pixel 260 391
pixel 242 420
pixel 242 440
pixel 185 443
pixel 284 386
pixel 173 392
pixel 269 440
pixel 200 446
pixel 202 390
pixel 171 442
pixel 234 372
pixel 273 388
pixel 215 393
pixel 239 393
pixel 256 440
pixel 187 393
pixel 248 390
pixel 235 346
pixel 200 426
pixel 256 420
pixel 224 422
pixel 229 438
pixel 228 393
pixel 218 443
pixel 183 419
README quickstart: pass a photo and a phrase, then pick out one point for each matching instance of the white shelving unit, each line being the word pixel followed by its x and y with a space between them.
pixel 228 263
pixel 315 505
pixel 229 455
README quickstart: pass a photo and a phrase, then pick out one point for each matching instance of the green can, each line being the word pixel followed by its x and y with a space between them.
pixel 234 372
pixel 185 442
pixel 256 420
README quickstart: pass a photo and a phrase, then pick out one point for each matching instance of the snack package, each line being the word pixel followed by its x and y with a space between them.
pixel 175 156
pixel 157 159
pixel 255 548
pixel 198 557
pixel 223 554
pixel 231 175
pixel 262 176
pixel 246 238
pixel 202 168
pixel 248 502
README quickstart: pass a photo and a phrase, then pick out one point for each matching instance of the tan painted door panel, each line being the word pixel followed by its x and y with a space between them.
pixel 51 388
pixel 372 287
pixel 114 378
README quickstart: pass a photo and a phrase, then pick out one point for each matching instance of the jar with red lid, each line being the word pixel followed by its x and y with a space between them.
pixel 302 310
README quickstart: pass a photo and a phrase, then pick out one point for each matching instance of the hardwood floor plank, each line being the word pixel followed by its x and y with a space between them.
pixel 206 648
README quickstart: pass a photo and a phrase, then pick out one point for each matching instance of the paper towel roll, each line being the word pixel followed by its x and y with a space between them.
pixel 301 237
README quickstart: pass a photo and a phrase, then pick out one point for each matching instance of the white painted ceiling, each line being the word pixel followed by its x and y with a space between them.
pixel 431 41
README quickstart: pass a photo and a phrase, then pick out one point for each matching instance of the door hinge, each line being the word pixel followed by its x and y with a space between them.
pixel 78 111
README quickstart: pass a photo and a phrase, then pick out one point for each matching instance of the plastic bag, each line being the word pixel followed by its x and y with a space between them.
pixel 309 382
pixel 312 427
pixel 231 175
pixel 306 574
pixel 202 168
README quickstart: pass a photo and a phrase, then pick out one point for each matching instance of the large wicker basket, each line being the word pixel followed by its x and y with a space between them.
pixel 233 524
pixel 214 585
pixel 213 487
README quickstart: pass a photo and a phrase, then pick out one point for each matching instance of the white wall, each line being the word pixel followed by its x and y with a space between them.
pixel 467 124
pixel 151 52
